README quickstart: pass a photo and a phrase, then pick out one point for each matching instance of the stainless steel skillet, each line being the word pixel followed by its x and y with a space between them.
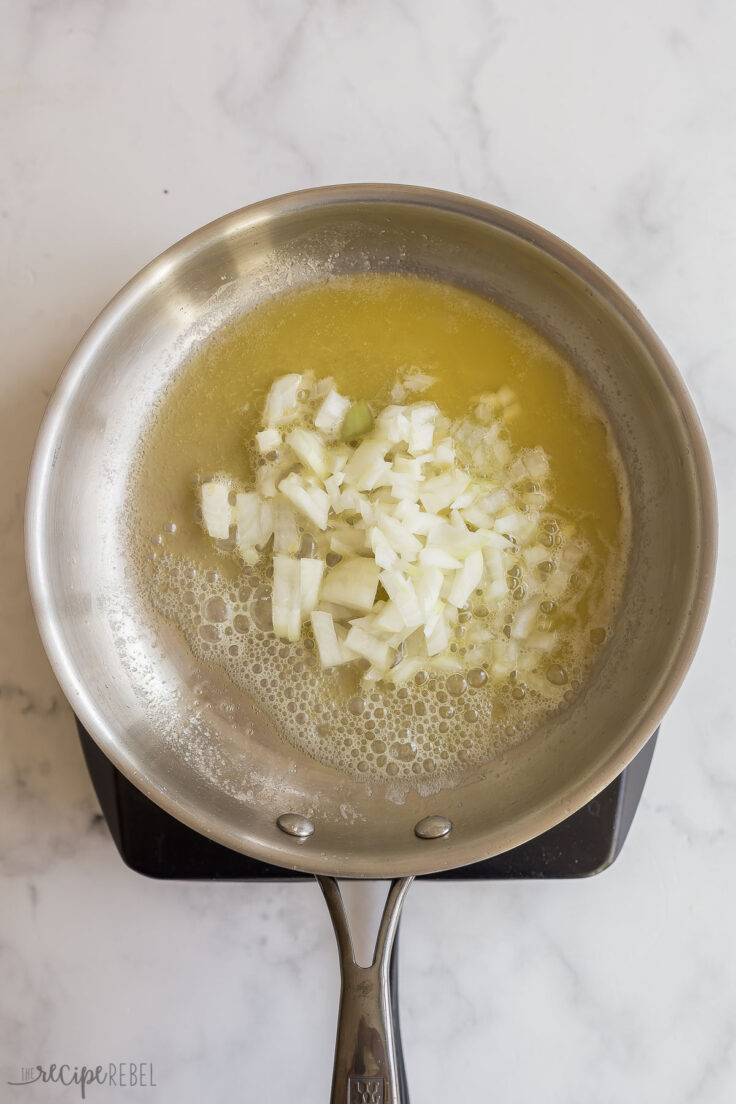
pixel 224 770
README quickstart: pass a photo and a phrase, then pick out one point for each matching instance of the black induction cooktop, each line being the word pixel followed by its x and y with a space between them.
pixel 152 842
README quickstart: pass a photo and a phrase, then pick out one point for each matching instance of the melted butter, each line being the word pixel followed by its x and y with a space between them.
pixel 363 331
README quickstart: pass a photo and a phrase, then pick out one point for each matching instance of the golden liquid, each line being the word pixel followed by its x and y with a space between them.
pixel 362 331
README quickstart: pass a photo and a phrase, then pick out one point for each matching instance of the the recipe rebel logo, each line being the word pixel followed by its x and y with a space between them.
pixel 112 1075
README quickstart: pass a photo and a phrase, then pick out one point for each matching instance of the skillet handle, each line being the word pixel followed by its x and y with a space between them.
pixel 367 1069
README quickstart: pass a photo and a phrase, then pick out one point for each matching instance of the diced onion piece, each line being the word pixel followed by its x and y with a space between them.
pixel 444 452
pixel 282 400
pixel 310 581
pixel 368 620
pixel 487 408
pixel 441 491
pixel 216 509
pixel 495 591
pixel 349 501
pixel 331 413
pixel 285 598
pixel 338 457
pixel 383 553
pixel 393 424
pixel 427 589
pixel 467 579
pixel 536 464
pixel 421 524
pixel 322 388
pixel 367 465
pixel 270 475
pixel 310 501
pixel 418 381
pixel 309 448
pixel 438 557
pixel 509 523
pixel 405 670
pixel 476 514
pixel 422 430
pixel 254 521
pixel 490 539
pixel 404 488
pixel 402 594
pixel 517 472
pixel 505 658
pixel 439 638
pixel 408 465
pixel 524 619
pixel 456 539
pixel 501 451
pixel 464 500
pixel 353 583
pixel 332 652
pixel 403 543
pixel 422 417
pixel 390 619
pixel 412 515
pixel 332 487
pixel 285 532
pixel 268 440
pixel 336 611
pixel 493 560
pixel 348 540
pixel 369 647
pixel 496 500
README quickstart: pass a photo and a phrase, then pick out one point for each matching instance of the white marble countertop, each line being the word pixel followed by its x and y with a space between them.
pixel 124 127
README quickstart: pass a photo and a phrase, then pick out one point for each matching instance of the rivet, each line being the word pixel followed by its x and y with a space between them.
pixel 433 827
pixel 295 825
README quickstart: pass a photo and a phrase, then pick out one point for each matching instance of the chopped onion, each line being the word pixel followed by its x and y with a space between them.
pixel 268 440
pixel 331 413
pixel 369 647
pixel 285 532
pixel 285 598
pixel 310 501
pixel 402 594
pixel 254 521
pixel 367 464
pixel 332 652
pixel 433 511
pixel 309 448
pixel 216 509
pixel 282 400
pixel 467 579
pixel 310 580
pixel 353 583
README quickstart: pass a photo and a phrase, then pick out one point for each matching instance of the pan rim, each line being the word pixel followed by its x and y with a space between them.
pixel 309 859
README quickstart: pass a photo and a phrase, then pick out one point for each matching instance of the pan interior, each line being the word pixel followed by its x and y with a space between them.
pixel 134 683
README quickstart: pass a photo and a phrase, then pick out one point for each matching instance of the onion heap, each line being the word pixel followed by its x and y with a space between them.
pixel 387 532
